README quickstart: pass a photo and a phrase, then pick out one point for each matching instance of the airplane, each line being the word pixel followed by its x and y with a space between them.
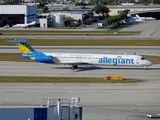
pixel 132 20
pixel 145 18
pixel 24 25
pixel 76 59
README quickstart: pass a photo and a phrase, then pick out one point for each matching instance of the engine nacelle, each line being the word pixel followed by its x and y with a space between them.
pixel 44 59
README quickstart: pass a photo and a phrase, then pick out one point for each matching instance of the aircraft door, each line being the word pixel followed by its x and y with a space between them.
pixel 137 61
pixel 79 58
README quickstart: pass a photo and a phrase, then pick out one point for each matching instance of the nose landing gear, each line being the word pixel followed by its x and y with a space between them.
pixel 145 67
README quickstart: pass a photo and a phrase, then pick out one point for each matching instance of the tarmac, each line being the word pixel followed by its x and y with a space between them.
pixel 100 101
pixel 148 28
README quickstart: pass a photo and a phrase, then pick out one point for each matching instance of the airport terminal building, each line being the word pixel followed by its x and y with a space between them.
pixel 51 109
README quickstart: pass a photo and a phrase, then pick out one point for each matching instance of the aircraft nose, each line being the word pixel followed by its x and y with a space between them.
pixel 149 63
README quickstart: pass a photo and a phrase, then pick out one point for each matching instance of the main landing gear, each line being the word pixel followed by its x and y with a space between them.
pixel 74 67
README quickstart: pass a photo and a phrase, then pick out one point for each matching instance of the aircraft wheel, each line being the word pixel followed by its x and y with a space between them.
pixel 74 67
pixel 145 67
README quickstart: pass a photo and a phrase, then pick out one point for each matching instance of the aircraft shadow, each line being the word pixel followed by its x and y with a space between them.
pixel 109 68
pixel 79 69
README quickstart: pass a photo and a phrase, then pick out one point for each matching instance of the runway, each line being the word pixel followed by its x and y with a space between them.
pixel 39 69
pixel 48 70
pixel 142 50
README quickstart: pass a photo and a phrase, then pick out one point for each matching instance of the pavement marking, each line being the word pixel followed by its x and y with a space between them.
pixel 32 74
pixel 152 33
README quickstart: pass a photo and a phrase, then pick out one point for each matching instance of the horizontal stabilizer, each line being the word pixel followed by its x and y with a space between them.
pixel 17 41
pixel 11 40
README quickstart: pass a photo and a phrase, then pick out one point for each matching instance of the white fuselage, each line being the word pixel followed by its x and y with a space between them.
pixel 145 18
pixel 99 59
pixel 24 25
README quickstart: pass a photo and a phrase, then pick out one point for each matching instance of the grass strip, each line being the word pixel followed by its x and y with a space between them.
pixel 61 80
pixel 13 57
pixel 16 57
pixel 77 42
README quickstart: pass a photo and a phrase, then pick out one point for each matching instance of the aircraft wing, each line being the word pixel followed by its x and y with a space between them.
pixel 71 62
pixel 150 18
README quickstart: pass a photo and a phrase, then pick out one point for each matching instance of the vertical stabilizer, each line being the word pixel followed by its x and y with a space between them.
pixel 23 45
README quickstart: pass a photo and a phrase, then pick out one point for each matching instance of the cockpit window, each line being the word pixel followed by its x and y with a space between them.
pixel 142 58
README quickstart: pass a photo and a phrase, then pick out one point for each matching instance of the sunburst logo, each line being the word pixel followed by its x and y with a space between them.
pixel 24 49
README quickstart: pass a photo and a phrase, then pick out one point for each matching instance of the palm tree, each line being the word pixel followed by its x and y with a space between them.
pixel 68 20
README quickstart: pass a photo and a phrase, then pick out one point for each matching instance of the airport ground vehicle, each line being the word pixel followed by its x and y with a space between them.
pixel 153 115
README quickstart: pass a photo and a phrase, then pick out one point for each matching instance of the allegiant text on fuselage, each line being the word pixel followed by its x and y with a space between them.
pixel 115 61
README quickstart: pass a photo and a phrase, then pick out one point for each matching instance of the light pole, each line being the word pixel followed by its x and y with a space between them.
pixel 151 2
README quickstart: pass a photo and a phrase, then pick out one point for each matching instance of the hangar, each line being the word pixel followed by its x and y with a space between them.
pixel 23 14
pixel 17 14
pixel 155 13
